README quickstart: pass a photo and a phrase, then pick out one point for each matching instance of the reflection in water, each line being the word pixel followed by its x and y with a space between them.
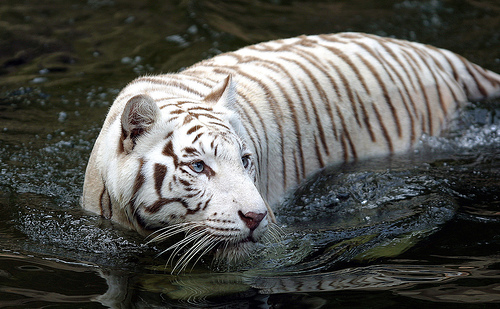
pixel 60 281
pixel 408 280
pixel 361 278
pixel 450 282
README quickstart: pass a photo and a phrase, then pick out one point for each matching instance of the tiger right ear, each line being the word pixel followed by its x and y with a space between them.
pixel 138 117
pixel 222 94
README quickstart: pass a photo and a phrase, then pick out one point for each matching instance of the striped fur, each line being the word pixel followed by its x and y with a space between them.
pixel 206 150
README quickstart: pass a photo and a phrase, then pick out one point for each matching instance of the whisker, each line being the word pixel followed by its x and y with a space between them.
pixel 224 251
pixel 203 243
pixel 187 256
pixel 180 245
pixel 183 243
pixel 167 234
pixel 274 234
pixel 165 229
pixel 223 244
pixel 194 248
pixel 206 243
pixel 172 230
pixel 273 237
pixel 207 249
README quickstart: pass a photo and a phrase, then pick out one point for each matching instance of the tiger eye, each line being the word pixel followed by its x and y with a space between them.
pixel 197 166
pixel 246 161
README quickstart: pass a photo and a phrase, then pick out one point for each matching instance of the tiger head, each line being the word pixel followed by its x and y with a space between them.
pixel 183 167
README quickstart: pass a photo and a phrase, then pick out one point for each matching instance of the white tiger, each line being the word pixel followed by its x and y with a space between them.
pixel 206 151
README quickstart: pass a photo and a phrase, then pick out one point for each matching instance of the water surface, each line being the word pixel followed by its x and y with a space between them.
pixel 419 229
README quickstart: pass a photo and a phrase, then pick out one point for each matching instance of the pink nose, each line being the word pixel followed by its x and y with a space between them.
pixel 252 219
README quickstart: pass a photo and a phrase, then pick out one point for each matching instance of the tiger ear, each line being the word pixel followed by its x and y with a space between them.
pixel 223 98
pixel 138 117
pixel 222 94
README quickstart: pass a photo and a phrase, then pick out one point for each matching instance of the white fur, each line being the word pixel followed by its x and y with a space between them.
pixel 291 105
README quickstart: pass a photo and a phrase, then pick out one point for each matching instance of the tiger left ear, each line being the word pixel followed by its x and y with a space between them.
pixel 224 93
pixel 139 115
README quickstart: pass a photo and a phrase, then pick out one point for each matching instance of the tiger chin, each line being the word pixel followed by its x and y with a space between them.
pixel 201 154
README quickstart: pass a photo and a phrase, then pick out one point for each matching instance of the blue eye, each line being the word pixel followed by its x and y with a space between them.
pixel 198 166
pixel 246 161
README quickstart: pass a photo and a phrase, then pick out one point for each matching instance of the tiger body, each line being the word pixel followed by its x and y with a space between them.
pixel 210 148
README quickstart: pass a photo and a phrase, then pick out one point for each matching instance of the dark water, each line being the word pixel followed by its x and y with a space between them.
pixel 420 229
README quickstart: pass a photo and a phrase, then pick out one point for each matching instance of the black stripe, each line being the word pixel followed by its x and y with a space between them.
pixel 319 125
pixel 167 82
pixel 187 119
pixel 105 204
pixel 425 56
pixel 445 78
pixel 203 108
pixel 220 124
pixel 156 206
pixel 259 144
pixel 196 138
pixel 472 73
pixel 347 85
pixel 388 67
pixel 321 91
pixel 366 119
pixel 385 133
pixel 345 133
pixel 280 69
pixel 139 178
pixel 385 93
pixel 321 162
pixel 248 123
pixel 196 77
pixel 416 70
pixel 408 73
pixel 159 173
pixel 330 38
pixel 298 134
pixel 194 129
pixel 190 151
pixel 345 152
pixel 454 71
pixel 296 165
pixel 359 76
pixel 168 150
pixel 138 183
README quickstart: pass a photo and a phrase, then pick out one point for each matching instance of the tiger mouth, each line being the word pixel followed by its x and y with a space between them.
pixel 235 250
pixel 250 239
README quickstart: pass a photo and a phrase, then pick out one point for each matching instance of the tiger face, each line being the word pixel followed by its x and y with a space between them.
pixel 195 175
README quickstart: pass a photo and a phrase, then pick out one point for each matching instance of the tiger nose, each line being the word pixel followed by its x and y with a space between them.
pixel 252 219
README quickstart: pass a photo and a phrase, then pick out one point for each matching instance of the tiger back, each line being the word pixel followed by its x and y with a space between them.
pixel 207 150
